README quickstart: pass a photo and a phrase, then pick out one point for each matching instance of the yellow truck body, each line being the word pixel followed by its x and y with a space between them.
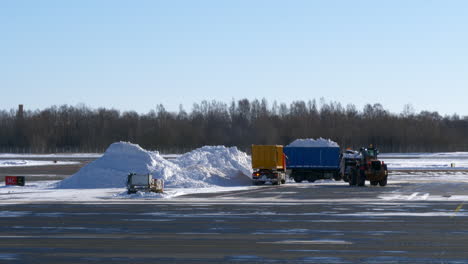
pixel 267 157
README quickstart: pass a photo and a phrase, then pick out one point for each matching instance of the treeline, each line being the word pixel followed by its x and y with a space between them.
pixel 239 123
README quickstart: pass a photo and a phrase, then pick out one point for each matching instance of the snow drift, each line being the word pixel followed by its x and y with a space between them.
pixel 310 142
pixel 208 166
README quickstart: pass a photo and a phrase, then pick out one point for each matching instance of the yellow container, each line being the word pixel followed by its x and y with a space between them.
pixel 267 157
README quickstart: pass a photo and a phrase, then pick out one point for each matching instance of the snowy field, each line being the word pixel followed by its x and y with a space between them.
pixel 50 156
pixel 426 161
pixel 421 182
pixel 46 191
pixel 30 163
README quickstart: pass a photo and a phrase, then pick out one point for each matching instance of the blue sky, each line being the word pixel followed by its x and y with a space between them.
pixel 133 55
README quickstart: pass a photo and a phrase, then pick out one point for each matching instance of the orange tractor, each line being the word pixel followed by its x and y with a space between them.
pixel 370 168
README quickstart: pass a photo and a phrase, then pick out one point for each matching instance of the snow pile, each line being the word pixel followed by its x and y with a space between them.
pixel 204 167
pixel 217 165
pixel 351 154
pixel 310 142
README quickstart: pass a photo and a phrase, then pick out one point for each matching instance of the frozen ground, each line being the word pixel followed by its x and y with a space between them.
pixel 405 186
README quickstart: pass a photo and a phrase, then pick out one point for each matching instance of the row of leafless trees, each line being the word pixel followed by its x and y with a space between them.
pixel 239 123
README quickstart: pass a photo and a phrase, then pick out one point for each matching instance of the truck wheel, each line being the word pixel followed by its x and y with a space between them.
pixel 297 179
pixel 345 178
pixel 337 176
pixel 361 178
pixel 353 179
pixel 283 181
pixel 374 183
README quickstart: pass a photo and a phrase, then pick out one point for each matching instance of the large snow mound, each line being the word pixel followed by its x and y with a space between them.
pixel 208 166
pixel 310 142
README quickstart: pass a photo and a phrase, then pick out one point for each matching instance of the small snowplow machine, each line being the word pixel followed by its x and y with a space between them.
pixel 144 183
pixel 369 168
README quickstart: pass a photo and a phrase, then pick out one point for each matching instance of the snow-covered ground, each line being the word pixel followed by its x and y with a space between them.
pixel 207 169
pixel 426 161
pixel 66 156
pixel 50 156
pixel 436 155
pixel 46 191
pixel 410 186
pixel 28 163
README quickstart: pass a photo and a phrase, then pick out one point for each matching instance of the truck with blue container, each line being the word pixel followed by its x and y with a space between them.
pixel 311 160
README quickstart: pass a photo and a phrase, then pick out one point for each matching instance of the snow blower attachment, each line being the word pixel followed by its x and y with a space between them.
pixel 144 183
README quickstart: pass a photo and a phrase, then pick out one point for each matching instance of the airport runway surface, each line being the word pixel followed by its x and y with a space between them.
pixel 405 222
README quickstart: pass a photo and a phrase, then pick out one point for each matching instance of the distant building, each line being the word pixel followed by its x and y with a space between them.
pixel 20 113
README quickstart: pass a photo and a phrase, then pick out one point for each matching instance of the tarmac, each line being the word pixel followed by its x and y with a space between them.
pixel 291 223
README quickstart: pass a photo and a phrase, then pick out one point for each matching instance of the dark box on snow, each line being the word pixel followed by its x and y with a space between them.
pixel 14 180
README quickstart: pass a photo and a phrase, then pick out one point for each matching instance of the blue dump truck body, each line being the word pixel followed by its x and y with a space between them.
pixel 312 163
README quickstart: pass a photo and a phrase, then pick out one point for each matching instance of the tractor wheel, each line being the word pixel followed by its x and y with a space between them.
pixel 383 182
pixel 362 178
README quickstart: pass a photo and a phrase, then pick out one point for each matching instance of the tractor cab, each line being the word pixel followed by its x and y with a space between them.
pixel 372 153
pixel 369 154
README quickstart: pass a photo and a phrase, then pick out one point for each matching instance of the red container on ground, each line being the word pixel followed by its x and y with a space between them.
pixel 14 180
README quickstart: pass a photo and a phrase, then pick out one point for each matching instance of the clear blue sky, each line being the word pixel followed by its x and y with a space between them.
pixel 132 55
